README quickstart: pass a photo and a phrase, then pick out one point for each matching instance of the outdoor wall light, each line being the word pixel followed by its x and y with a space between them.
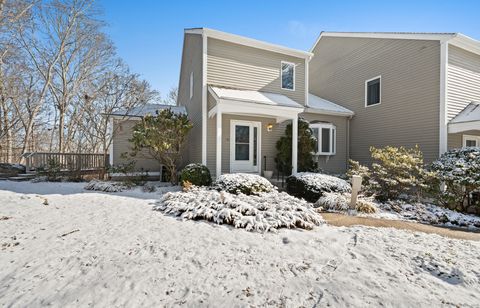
pixel 269 127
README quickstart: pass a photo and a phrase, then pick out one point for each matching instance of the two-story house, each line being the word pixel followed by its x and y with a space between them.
pixel 356 90
pixel 240 93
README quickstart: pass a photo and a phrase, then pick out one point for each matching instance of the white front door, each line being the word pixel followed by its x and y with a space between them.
pixel 244 146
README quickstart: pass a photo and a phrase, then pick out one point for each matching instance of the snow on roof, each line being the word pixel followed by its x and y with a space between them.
pixel 148 109
pixel 469 114
pixel 258 97
pixel 320 105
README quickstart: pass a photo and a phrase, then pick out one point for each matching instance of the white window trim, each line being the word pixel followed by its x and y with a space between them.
pixel 333 139
pixel 366 91
pixel 470 137
pixel 191 85
pixel 281 75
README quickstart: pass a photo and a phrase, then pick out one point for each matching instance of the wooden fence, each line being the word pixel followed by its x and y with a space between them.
pixel 82 162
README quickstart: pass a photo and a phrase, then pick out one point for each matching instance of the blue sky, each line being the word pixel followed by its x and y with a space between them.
pixel 148 34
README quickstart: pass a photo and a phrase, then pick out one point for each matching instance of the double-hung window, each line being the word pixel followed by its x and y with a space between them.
pixel 288 76
pixel 325 135
pixel 373 91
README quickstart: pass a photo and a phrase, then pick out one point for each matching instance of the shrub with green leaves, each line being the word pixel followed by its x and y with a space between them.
pixel 306 146
pixel 459 169
pixel 196 174
pixel 52 171
pixel 396 171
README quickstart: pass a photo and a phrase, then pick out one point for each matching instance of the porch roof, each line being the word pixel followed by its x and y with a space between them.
pixel 258 97
pixel 466 120
pixel 254 103
pixel 319 105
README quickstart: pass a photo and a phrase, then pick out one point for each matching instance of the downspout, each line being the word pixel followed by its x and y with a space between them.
pixel 348 143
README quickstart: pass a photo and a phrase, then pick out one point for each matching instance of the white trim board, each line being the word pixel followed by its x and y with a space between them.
pixel 242 40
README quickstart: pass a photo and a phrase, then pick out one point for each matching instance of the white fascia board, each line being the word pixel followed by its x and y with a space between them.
pixel 399 36
pixel 454 128
pixel 250 42
pixel 465 42
pixel 329 112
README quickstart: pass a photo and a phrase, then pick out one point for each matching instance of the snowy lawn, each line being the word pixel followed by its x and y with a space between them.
pixel 87 248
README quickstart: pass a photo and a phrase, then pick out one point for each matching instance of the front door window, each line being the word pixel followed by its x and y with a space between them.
pixel 245 146
pixel 242 142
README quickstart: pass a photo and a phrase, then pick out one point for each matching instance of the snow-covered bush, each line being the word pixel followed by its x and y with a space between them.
pixel 333 202
pixel 196 174
pixel 397 171
pixel 248 184
pixel 311 186
pixel 262 212
pixel 459 169
pixel 340 202
pixel 105 186
pixel 365 206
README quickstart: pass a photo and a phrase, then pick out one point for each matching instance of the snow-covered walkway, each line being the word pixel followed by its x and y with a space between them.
pixel 63 246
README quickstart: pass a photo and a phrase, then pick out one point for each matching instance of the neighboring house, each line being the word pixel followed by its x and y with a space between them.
pixel 357 90
pixel 121 124
pixel 405 88
pixel 241 93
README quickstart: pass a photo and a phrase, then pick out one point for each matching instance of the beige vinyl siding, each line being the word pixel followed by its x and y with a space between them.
pixel 192 58
pixel 463 80
pixel 122 133
pixel 243 67
pixel 334 163
pixel 456 140
pixel 410 90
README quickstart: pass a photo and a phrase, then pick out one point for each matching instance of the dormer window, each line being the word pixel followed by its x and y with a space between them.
pixel 288 76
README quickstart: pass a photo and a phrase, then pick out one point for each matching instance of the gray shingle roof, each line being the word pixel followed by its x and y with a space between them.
pixel 152 109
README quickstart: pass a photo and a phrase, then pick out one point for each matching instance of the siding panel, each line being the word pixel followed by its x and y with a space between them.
pixel 409 110
pixel 192 59
pixel 463 80
pixel 243 67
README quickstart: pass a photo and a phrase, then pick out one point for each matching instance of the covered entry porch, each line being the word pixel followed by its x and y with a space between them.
pixel 243 128
pixel 464 128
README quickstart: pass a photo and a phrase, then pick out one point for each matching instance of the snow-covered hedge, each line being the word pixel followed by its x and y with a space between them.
pixel 105 186
pixel 248 184
pixel 196 174
pixel 340 202
pixel 459 169
pixel 311 186
pixel 262 212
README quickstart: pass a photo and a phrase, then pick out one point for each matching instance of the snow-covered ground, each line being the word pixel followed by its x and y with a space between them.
pixel 425 213
pixel 64 246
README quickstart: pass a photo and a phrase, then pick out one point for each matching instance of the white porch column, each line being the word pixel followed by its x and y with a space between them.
pixel 294 144
pixel 218 169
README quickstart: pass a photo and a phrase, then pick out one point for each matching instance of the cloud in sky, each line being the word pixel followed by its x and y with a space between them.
pixel 303 30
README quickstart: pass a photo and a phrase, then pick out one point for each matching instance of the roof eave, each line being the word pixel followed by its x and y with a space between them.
pixel 330 112
pixel 246 41
pixel 386 35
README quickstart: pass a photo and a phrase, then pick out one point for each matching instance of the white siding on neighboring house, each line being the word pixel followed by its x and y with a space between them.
pixel 463 80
